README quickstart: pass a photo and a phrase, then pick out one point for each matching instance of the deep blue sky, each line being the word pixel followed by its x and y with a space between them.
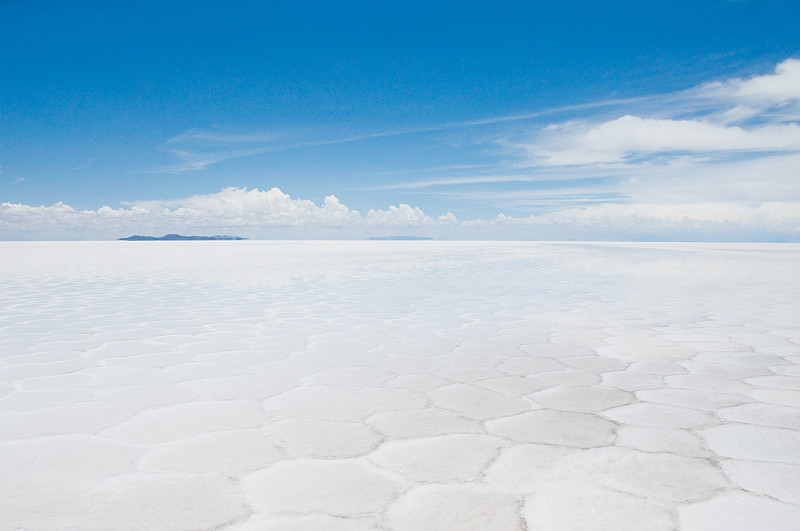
pixel 108 103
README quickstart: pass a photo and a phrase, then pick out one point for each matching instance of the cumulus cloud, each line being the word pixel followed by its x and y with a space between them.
pixel 239 207
pixel 24 217
pixel 257 213
pixel 235 209
pixel 398 215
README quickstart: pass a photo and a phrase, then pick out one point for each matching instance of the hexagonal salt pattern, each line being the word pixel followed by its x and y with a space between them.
pixel 399 385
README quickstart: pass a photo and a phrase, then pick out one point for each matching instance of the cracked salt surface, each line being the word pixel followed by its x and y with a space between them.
pixel 399 385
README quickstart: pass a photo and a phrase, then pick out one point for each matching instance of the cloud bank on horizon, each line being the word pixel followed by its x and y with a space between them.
pixel 729 172
pixel 274 214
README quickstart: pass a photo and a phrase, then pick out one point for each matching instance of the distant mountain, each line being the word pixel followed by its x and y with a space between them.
pixel 399 238
pixel 178 237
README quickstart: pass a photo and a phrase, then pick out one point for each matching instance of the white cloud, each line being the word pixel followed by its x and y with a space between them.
pixel 739 180
pixel 731 146
pixel 787 215
pixel 632 136
pixel 774 221
pixel 230 209
pixel 272 213
pixel 781 87
pixel 239 207
pixel 755 115
pixel 403 215
pixel 454 181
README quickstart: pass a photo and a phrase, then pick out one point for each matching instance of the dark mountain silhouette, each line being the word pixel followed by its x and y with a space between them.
pixel 178 237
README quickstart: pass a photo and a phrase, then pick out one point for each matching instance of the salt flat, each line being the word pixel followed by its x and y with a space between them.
pixel 399 385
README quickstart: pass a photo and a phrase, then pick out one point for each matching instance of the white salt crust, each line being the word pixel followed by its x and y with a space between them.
pixel 399 385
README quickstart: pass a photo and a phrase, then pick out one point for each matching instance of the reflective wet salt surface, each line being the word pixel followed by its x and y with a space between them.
pixel 399 385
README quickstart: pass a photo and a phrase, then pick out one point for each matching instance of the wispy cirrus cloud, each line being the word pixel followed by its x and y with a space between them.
pixel 453 181
pixel 197 149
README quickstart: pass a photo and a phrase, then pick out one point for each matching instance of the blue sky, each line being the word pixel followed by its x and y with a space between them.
pixel 666 120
